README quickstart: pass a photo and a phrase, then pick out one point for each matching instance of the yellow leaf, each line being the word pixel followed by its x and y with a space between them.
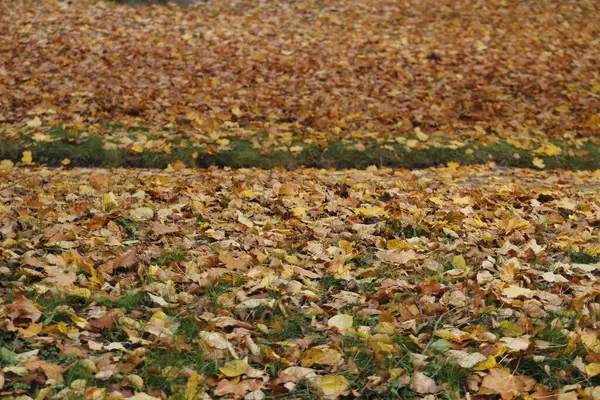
pixel 333 385
pixel 249 194
pixel 341 321
pixel 109 200
pixel 27 157
pixel 223 142
pixel 191 388
pixel 487 364
pixel 592 369
pixel 510 329
pixel 66 161
pixel 234 368
pixel 81 292
pixel 375 211
pixel 6 164
pixel 321 355
pixel 453 334
pixel 436 200
pixel 421 135
pixel 65 329
pixel 549 150
pixel 386 348
pixel 32 330
pixel 142 213
pixel 395 244
pixel 34 123
pixel 590 341
pixel 42 394
pixel 458 262
pixel 80 322
pixel 192 115
pixel 299 212
pixel 513 291
pixel 136 381
pixel 538 162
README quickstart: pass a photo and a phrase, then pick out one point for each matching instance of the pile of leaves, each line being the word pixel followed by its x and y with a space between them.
pixel 198 284
pixel 421 73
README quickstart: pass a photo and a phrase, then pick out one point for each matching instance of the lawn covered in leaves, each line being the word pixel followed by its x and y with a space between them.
pixel 218 283
pixel 289 74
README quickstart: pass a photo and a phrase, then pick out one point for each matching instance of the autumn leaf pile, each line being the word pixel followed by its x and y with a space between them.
pixel 257 284
pixel 418 72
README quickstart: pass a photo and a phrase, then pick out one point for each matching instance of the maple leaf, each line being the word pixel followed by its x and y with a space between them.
pixel 502 382
pixel 22 308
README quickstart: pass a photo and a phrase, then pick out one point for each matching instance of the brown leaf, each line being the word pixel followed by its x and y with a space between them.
pixel 501 381
pixel 162 229
pixel 22 308
pixel 226 387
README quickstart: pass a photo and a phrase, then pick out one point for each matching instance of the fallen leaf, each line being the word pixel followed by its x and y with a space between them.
pixel 423 384
pixel 333 385
pixel 341 321
pixel 22 308
pixel 234 368
pixel 502 382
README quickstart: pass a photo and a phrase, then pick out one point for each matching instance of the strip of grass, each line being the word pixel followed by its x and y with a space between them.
pixel 338 155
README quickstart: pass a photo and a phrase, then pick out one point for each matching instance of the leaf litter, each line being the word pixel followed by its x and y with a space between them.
pixel 385 73
pixel 440 283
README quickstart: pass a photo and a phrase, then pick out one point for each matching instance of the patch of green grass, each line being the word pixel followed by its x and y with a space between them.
pixel 171 255
pixel 396 228
pixel 360 353
pixel 368 287
pixel 366 320
pixel 89 152
pixel 9 340
pixel 222 286
pixel 188 326
pixel 331 283
pixel 60 133
pixel 132 300
pixel 78 370
pixel 365 261
pixel 103 301
pixel 156 373
pixel 302 392
pixel 553 335
pixel 556 371
pixel 579 257
pixel 454 376
pixel 292 326
pixel 128 225
pixel 51 301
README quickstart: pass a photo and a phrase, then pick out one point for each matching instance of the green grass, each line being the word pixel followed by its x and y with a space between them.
pixel 580 257
pixel 332 283
pixel 171 255
pixel 132 300
pixel 155 370
pixel 89 152
pixel 556 371
pixel 129 226
pixel 452 375
pixel 553 335
pixel 188 327
pixel 51 301
pixel 287 327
